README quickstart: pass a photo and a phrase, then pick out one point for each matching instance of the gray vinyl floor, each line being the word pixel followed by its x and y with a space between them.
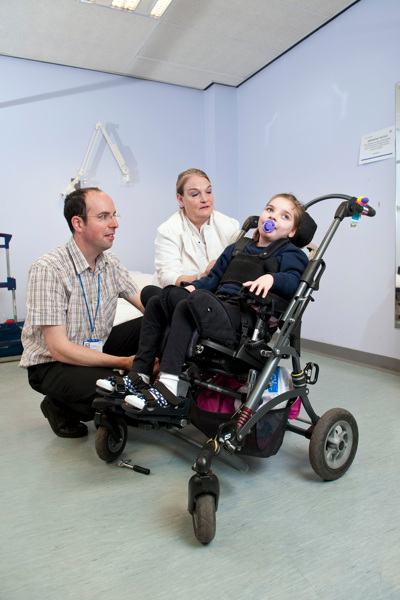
pixel 74 527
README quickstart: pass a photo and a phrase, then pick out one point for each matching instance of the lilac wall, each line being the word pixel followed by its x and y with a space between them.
pixel 47 117
pixel 300 127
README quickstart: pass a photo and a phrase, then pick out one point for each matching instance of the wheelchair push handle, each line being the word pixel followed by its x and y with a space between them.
pixel 351 206
pixel 355 207
pixel 363 202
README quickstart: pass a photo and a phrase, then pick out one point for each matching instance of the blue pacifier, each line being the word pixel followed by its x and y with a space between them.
pixel 268 226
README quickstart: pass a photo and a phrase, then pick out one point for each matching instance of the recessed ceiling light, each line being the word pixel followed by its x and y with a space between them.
pixel 130 5
pixel 159 8
pixel 125 4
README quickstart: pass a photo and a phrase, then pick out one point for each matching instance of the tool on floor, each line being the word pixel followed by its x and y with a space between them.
pixel 127 463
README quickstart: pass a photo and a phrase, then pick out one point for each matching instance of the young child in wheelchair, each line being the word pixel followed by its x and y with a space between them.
pixel 268 262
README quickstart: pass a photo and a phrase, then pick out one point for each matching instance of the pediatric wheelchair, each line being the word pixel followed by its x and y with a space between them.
pixel 257 426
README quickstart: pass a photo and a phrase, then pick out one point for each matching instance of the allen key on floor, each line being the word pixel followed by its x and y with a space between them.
pixel 127 464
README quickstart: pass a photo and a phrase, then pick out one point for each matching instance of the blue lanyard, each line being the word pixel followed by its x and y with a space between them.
pixel 98 302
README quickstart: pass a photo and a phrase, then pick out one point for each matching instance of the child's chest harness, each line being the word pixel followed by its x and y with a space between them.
pixel 209 313
pixel 249 267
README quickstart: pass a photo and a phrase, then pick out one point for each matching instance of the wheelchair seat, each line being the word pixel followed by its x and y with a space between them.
pixel 252 350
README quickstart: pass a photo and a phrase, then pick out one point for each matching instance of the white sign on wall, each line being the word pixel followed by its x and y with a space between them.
pixel 377 146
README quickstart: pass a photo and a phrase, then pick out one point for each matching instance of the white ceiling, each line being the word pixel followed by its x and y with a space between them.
pixel 194 44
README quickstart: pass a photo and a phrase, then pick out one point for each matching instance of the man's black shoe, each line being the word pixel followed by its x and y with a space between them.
pixel 62 426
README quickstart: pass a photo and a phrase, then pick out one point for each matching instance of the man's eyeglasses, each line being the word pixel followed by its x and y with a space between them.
pixel 103 217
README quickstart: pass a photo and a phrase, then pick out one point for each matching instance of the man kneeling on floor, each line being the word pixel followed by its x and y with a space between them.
pixel 68 337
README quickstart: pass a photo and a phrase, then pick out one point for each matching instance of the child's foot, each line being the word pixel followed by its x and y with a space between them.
pixel 123 385
pixel 155 396
pixel 108 384
pixel 136 400
pixel 134 384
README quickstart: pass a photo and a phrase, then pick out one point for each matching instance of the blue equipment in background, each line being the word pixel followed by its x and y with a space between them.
pixel 10 330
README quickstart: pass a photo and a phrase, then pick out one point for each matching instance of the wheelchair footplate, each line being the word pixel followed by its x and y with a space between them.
pixel 178 415
pixel 107 401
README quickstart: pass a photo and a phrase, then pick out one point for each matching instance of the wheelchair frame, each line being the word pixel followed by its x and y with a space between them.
pixel 333 436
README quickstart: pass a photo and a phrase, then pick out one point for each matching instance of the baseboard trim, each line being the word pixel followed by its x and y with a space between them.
pixel 357 357
pixel 9 358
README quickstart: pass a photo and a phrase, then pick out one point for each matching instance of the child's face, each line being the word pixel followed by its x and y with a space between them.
pixel 281 212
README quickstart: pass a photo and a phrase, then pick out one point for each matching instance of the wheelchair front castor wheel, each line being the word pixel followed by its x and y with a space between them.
pixel 107 447
pixel 333 444
pixel 204 521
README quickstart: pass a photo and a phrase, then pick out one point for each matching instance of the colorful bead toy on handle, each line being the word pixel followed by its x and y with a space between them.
pixel 268 226
pixel 364 201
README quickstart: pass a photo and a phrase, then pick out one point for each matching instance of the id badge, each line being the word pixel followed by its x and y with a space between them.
pixel 94 345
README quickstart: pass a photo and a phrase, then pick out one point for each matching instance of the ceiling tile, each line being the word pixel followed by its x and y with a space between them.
pixel 260 20
pixel 195 43
pixel 178 75
pixel 203 51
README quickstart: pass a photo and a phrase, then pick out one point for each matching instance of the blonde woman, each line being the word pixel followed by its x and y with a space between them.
pixel 190 241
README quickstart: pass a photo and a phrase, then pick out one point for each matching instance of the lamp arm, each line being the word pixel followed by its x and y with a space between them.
pixel 114 149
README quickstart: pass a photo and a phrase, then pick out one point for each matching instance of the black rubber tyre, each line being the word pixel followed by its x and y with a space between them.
pixel 106 447
pixel 333 444
pixel 204 522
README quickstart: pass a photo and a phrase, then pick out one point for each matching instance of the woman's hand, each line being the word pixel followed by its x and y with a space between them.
pixel 262 284
pixel 208 268
pixel 190 278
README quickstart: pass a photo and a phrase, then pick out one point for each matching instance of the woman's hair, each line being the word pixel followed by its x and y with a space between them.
pixel 75 205
pixel 183 177
pixel 297 206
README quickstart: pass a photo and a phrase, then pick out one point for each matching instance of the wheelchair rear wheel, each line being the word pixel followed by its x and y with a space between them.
pixel 333 444
pixel 204 522
pixel 106 447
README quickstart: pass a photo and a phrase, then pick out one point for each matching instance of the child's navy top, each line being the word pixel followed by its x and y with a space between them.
pixel 292 262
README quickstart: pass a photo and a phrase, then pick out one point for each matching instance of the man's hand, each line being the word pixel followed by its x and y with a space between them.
pixel 62 350
pixel 262 284
pixel 126 362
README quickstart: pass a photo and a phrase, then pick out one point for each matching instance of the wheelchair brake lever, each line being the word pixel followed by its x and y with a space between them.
pixel 311 371
pixel 226 435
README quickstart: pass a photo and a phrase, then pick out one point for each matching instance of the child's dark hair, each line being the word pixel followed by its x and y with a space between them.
pixel 297 206
pixel 75 205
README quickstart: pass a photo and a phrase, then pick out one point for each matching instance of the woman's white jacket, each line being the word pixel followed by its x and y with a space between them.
pixel 178 252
